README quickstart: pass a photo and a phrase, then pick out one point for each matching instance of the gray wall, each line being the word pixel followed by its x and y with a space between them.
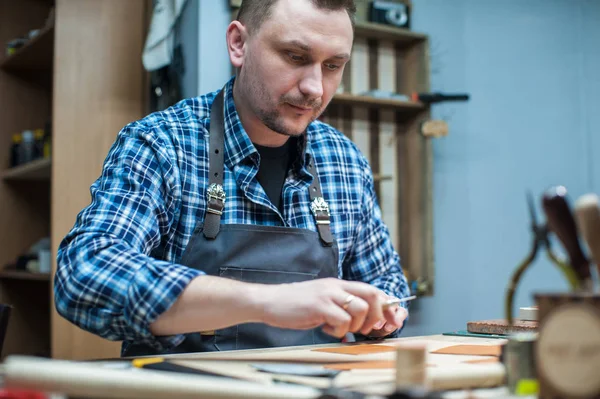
pixel 202 30
pixel 531 67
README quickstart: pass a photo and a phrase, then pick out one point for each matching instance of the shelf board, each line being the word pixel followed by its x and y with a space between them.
pixel 36 170
pixel 35 59
pixel 372 30
pixel 378 178
pixel 406 107
pixel 23 275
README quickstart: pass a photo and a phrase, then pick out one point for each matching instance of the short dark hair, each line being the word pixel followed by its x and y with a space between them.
pixel 253 13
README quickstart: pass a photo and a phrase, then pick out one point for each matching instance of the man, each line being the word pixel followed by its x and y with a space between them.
pixel 237 220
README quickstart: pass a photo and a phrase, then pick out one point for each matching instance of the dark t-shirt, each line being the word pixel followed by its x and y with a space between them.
pixel 275 162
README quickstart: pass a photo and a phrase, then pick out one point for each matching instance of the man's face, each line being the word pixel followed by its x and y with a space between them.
pixel 293 64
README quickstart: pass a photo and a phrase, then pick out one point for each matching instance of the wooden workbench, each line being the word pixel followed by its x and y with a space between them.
pixel 367 368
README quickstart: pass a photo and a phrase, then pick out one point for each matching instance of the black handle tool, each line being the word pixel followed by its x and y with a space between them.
pixel 561 221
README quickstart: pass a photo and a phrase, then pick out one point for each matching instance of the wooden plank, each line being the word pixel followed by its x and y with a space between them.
pixel 360 131
pixel 36 170
pixel 404 107
pixel 114 91
pixel 386 32
pixel 23 275
pixel 389 200
pixel 358 73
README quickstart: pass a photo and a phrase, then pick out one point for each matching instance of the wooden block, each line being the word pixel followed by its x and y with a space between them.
pixel 528 313
pixel 410 366
pixel 500 326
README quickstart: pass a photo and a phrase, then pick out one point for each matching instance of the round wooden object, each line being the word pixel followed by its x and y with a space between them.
pixel 568 350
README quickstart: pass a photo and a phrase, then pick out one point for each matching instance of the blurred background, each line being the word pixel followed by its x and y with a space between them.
pixel 74 72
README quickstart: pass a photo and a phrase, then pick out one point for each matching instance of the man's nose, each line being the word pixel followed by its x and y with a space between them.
pixel 311 84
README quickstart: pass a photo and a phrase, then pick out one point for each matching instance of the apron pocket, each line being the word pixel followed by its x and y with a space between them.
pixel 250 275
pixel 255 335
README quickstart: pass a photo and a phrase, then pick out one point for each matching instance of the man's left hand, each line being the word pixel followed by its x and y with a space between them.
pixel 394 319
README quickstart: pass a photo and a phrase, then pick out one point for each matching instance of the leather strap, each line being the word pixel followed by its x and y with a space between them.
pixel 319 207
pixel 215 200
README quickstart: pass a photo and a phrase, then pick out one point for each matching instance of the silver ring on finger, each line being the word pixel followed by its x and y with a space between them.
pixel 346 303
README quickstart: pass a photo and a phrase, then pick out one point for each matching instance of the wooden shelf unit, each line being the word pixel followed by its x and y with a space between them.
pixel 60 77
pixel 387 131
pixel 26 98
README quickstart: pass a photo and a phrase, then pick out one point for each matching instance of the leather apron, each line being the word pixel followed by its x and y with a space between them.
pixel 254 254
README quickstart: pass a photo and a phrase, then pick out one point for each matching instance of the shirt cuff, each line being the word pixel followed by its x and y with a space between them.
pixel 155 288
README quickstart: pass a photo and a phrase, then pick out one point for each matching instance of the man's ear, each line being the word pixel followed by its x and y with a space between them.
pixel 237 35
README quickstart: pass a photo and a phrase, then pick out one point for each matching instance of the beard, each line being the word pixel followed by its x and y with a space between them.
pixel 268 111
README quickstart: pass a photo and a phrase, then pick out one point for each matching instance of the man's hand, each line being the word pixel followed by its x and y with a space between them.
pixel 394 319
pixel 339 306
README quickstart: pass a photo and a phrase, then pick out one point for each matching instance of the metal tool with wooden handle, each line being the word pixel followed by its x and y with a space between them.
pixel 560 220
pixel 587 215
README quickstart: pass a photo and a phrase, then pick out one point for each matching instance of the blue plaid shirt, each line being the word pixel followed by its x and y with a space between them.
pixel 118 267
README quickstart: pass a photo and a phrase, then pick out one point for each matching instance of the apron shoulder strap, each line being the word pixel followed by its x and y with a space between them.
pixel 215 201
pixel 319 206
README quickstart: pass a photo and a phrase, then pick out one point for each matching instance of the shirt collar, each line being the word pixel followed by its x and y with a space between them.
pixel 238 146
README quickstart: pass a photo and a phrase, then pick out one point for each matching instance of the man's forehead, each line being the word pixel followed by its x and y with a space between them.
pixel 300 22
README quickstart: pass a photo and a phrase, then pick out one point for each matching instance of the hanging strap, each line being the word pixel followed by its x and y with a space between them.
pixel 319 206
pixel 215 195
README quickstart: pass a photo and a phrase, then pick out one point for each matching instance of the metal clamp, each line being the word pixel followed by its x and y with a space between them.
pixel 216 199
pixel 320 209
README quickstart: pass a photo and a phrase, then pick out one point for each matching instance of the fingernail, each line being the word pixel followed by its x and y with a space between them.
pixel 379 324
pixel 389 328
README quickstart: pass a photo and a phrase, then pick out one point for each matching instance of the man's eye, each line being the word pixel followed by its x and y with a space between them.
pixel 332 67
pixel 296 57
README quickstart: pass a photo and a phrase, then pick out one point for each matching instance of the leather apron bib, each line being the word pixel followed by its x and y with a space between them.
pixel 254 254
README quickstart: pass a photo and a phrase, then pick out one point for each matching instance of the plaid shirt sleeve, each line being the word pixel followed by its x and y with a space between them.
pixel 106 282
pixel 373 259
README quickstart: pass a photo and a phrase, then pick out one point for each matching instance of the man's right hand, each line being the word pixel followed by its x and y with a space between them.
pixel 339 306
pixel 211 303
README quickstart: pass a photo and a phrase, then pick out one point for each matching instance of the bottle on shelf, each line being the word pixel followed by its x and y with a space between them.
pixel 15 150
pixel 27 148
pixel 39 143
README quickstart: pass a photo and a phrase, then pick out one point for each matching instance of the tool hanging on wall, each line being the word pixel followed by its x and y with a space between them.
pixel 540 240
pixel 431 98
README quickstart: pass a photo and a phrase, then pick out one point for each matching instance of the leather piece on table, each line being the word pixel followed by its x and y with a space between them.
pixel 374 364
pixel 471 350
pixel 368 365
pixel 501 326
pixel 483 361
pixel 363 349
